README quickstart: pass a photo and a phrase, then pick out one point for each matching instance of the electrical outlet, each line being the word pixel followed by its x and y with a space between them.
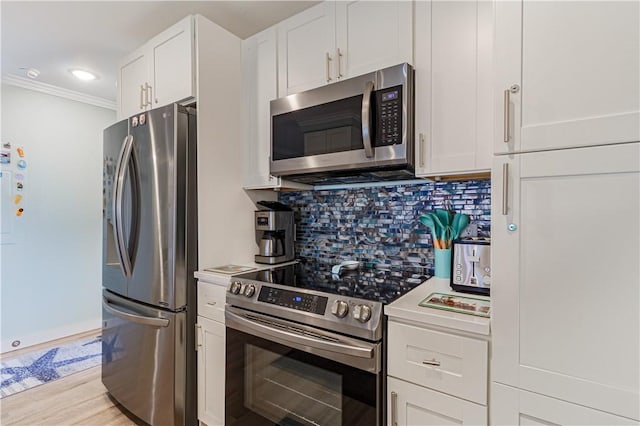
pixel 470 231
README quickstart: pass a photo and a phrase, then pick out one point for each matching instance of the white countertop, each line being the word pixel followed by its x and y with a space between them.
pixel 220 278
pixel 407 308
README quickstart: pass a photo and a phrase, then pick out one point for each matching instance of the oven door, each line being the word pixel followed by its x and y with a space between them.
pixel 284 373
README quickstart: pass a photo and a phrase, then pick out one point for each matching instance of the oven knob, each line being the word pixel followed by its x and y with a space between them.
pixel 250 290
pixel 340 308
pixel 235 287
pixel 362 313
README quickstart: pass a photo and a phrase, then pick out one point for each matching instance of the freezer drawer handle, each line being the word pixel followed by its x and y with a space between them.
pixel 134 317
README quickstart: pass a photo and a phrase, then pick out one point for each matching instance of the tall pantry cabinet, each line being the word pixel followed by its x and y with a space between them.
pixel 566 214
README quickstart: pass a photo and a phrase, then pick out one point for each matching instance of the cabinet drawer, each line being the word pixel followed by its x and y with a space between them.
pixel 211 300
pixel 445 362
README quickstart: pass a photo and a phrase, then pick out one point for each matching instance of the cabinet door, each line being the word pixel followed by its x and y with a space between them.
pixel 411 405
pixel 565 320
pixel 575 68
pixel 210 339
pixel 134 72
pixel 172 53
pixel 259 62
pixel 511 406
pixel 371 35
pixel 306 45
pixel 454 112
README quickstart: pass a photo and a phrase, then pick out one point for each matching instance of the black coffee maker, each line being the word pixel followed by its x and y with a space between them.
pixel 275 233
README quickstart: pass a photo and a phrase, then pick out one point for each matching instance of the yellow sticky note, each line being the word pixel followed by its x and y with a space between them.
pixel 17 199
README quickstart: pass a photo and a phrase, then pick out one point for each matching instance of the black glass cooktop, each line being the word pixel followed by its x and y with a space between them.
pixel 381 283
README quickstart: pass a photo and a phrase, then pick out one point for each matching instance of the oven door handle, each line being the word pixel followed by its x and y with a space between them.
pixel 282 336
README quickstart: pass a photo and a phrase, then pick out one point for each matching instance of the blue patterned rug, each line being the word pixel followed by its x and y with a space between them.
pixel 35 368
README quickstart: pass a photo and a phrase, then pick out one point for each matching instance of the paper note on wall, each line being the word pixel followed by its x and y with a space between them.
pixel 7 215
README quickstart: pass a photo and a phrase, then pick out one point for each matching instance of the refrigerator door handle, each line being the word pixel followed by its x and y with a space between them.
pixel 128 315
pixel 118 199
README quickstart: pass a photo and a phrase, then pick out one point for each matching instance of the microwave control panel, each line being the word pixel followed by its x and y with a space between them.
pixel 389 108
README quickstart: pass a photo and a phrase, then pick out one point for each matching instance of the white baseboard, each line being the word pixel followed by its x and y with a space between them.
pixel 48 335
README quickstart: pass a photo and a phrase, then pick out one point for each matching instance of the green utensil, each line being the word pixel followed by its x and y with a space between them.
pixel 460 222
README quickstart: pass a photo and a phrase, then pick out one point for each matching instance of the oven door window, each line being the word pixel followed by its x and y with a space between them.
pixel 271 384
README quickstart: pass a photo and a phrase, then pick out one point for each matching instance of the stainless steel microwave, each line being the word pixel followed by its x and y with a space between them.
pixel 356 130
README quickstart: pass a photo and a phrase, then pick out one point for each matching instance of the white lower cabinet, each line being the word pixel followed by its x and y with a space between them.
pixel 512 406
pixel 211 371
pixel 435 377
pixel 565 228
pixel 412 405
pixel 210 345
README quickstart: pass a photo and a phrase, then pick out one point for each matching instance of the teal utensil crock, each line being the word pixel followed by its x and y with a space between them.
pixel 442 265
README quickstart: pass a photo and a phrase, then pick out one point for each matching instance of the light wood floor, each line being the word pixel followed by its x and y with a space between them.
pixel 77 399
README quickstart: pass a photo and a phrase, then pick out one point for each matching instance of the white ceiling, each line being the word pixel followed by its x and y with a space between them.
pixel 55 36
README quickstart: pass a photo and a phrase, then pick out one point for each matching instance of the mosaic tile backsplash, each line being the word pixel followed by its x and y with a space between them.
pixel 380 224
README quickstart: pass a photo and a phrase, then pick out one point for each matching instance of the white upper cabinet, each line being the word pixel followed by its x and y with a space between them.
pixel 372 35
pixel 173 59
pixel 306 49
pixel 134 71
pixel 566 74
pixel 336 40
pixel 260 87
pixel 454 105
pixel 159 72
pixel 564 238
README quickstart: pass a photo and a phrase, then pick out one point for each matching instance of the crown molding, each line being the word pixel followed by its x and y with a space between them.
pixel 49 89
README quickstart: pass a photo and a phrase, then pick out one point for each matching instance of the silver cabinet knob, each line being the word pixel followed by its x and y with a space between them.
pixel 249 290
pixel 340 308
pixel 362 313
pixel 235 287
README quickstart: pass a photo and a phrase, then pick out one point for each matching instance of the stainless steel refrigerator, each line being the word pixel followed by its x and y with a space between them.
pixel 149 256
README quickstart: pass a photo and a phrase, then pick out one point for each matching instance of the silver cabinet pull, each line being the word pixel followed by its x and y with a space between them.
pixel 394 409
pixel 142 96
pixel 422 148
pixel 432 361
pixel 505 188
pixel 198 337
pixel 339 63
pixel 366 120
pixel 328 61
pixel 507 115
pixel 149 89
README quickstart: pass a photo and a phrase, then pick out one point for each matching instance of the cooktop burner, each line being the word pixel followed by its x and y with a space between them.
pixel 380 283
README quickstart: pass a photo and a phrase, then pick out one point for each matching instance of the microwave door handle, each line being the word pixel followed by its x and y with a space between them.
pixel 366 120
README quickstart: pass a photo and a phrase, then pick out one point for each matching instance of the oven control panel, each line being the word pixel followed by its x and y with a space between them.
pixel 293 299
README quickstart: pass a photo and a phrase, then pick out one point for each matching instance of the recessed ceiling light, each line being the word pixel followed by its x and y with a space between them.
pixel 83 75
pixel 31 72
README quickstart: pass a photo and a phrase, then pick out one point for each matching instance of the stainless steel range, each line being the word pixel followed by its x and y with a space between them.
pixel 305 345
